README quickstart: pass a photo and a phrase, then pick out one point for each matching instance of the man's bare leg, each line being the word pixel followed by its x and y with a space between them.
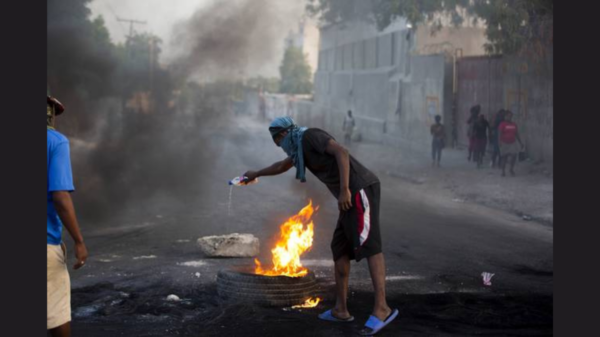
pixel 61 331
pixel 377 269
pixel 342 274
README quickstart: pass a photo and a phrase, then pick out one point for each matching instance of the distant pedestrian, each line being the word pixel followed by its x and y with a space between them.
pixel 480 133
pixel 348 127
pixel 262 106
pixel 509 134
pixel 471 123
pixel 438 141
pixel 494 138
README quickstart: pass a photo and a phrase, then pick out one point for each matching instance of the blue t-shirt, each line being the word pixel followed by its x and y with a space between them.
pixel 60 178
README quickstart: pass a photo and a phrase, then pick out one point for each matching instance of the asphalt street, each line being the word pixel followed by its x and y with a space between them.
pixel 435 251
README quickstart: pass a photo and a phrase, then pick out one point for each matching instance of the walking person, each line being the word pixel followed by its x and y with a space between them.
pixel 480 132
pixel 60 211
pixel 494 138
pixel 470 125
pixel 348 127
pixel 509 135
pixel 438 141
pixel 357 233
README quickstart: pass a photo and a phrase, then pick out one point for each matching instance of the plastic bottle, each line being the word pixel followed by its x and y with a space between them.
pixel 242 181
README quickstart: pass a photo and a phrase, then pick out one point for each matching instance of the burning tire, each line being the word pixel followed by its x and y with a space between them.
pixel 243 285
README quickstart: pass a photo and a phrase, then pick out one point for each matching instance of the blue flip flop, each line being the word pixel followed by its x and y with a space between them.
pixel 374 324
pixel 328 316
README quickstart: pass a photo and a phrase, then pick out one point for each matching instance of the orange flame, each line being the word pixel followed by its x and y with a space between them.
pixel 294 240
pixel 310 303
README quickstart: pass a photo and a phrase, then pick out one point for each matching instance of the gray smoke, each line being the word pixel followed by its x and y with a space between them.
pixel 128 162
pixel 235 38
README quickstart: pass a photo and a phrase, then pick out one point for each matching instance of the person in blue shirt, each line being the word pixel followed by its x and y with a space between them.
pixel 60 211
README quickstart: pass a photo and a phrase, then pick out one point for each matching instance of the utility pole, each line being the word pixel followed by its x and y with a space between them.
pixel 153 61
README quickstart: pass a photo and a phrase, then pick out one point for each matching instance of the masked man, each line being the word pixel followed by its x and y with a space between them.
pixel 357 234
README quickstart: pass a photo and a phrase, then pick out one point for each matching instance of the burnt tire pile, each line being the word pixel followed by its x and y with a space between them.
pixel 239 285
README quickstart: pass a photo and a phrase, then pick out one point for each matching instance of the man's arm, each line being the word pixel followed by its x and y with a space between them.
pixel 343 160
pixel 273 170
pixel 66 212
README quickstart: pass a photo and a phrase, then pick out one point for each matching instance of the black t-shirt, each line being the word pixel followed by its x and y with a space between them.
pixel 324 166
pixel 481 128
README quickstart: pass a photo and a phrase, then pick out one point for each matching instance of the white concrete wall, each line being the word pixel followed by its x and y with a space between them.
pixel 392 90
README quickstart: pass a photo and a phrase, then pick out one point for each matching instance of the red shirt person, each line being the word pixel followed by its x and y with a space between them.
pixel 508 135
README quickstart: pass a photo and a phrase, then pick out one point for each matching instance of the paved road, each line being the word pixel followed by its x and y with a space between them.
pixel 435 251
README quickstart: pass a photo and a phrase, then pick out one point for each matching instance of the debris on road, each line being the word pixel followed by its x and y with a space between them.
pixel 487 278
pixel 173 298
pixel 144 257
pixel 198 263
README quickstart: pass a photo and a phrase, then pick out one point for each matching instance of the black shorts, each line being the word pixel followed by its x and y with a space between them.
pixel 357 232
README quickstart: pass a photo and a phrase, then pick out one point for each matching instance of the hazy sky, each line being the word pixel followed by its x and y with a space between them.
pixel 162 15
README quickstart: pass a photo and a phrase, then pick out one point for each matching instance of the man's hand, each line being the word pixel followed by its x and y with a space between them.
pixel 345 200
pixel 81 254
pixel 251 175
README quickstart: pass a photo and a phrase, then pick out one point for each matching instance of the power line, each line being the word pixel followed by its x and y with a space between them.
pixel 131 23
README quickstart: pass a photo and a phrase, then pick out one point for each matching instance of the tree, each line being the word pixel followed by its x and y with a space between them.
pixel 511 25
pixel 295 73
pixel 79 51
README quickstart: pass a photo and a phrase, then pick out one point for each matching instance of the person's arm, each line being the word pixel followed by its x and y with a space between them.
pixel 66 212
pixel 519 138
pixel 273 170
pixel 343 160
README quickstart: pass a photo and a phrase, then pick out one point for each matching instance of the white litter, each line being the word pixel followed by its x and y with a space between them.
pixel 197 275
pixel 173 298
pixel 487 278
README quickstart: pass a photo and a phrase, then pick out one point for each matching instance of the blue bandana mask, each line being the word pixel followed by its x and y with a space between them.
pixel 291 143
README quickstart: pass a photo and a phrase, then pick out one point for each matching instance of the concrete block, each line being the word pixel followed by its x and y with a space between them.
pixel 232 245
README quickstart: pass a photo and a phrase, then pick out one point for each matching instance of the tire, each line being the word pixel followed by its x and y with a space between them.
pixel 242 285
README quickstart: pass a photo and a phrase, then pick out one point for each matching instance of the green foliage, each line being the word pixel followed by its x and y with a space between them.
pixel 512 25
pixel 295 73
pixel 79 51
